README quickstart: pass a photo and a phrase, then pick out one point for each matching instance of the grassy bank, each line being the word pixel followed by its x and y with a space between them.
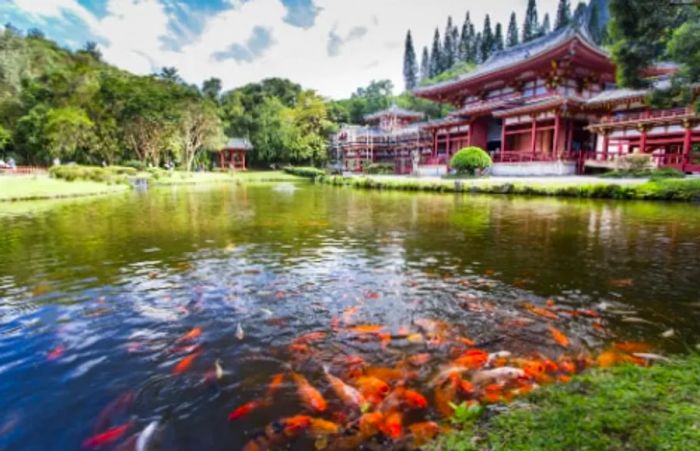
pixel 620 408
pixel 35 187
pixel 664 189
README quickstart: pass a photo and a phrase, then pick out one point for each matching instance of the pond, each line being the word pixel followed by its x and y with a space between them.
pixel 172 308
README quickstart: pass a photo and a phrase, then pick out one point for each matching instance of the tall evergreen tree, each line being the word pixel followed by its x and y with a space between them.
pixel 476 49
pixel 455 43
pixel 531 25
pixel 513 38
pixel 436 55
pixel 563 15
pixel 410 67
pixel 486 39
pixel 425 64
pixel 546 27
pixel 580 11
pixel 594 23
pixel 448 47
pixel 465 40
pixel 498 38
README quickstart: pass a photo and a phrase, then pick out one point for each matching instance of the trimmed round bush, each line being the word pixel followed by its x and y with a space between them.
pixel 469 160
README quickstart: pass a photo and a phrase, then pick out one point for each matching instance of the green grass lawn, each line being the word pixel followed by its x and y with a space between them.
pixel 618 409
pixel 33 187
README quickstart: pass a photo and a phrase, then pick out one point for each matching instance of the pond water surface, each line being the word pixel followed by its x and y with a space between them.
pixel 97 298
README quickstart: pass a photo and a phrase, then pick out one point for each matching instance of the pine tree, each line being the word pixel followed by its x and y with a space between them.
pixel 546 28
pixel 425 65
pixel 594 23
pixel 563 15
pixel 531 26
pixel 448 47
pixel 513 38
pixel 455 43
pixel 498 38
pixel 410 67
pixel 486 39
pixel 436 55
pixel 580 11
pixel 465 40
pixel 476 49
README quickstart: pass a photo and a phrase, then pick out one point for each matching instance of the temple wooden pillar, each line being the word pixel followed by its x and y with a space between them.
pixel 606 144
pixel 569 134
pixel 434 143
pixel 243 161
pixel 503 135
pixel 533 138
pixel 221 159
pixel 555 143
pixel 643 140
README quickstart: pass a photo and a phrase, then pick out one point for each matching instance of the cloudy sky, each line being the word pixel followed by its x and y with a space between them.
pixel 332 46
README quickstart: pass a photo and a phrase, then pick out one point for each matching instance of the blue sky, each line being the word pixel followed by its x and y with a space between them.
pixel 332 46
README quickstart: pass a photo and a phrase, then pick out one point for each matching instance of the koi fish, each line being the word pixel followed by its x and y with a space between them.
pixel 392 426
pixel 311 337
pixel 630 346
pixel 373 389
pixel 278 433
pixel 218 369
pixel 499 375
pixel 372 295
pixel 275 384
pixel 559 336
pixel 423 432
pixel 146 436
pixel 497 356
pixel 369 424
pixel 239 332
pixel 539 311
pixel 650 356
pixel 366 329
pixel 349 312
pixel 621 283
pixel 109 436
pixel 473 359
pixel 445 394
pixel 387 374
pixel 413 399
pixel 350 395
pixel 419 359
pixel 668 334
pixel 266 312
pixel 493 393
pixel 320 427
pixel 113 410
pixel 244 410
pixel 191 335
pixel 311 397
pixel 415 338
pixel 185 364
pixel 55 353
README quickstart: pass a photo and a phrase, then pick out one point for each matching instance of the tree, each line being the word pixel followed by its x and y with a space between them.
pixel 5 137
pixel 465 40
pixel 640 30
pixel 563 15
pixel 199 129
pixel 531 26
pixel 448 55
pixel 513 38
pixel 684 48
pixel 92 49
pixel 580 11
pixel 425 64
pixel 594 23
pixel 67 130
pixel 487 39
pixel 436 55
pixel 410 67
pixel 546 27
pixel 476 48
pixel 455 44
pixel 211 88
pixel 498 38
pixel 170 74
pixel 469 160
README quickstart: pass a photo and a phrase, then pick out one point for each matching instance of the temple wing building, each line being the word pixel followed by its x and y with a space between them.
pixel 545 107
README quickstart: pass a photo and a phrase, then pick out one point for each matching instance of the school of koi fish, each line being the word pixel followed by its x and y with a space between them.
pixel 363 385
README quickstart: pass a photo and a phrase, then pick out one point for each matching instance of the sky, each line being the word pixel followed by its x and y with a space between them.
pixel 332 46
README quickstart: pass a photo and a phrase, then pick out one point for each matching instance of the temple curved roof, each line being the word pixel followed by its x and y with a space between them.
pixel 394 110
pixel 238 144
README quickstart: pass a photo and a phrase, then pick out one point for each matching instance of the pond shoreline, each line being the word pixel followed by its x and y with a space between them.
pixel 682 190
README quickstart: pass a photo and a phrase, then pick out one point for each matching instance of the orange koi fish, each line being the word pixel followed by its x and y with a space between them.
pixel 423 432
pixel 419 359
pixel 373 389
pixel 191 335
pixel 373 295
pixel 414 399
pixel 559 336
pixel 473 359
pixel 493 393
pixel 275 384
pixel 366 329
pixel 311 337
pixel 319 427
pixel 386 374
pixel 277 434
pixel 539 311
pixel 185 364
pixel 369 424
pixel 296 424
pixel 445 394
pixel 311 397
pixel 348 394
pixel 621 283
pixel 244 410
pixel 109 436
pixel 349 312
pixel 392 426
pixel 632 347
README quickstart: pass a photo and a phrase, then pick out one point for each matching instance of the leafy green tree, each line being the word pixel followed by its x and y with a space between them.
pixel 684 48
pixel 92 49
pixel 170 74
pixel 531 26
pixel 67 130
pixel 200 129
pixel 469 160
pixel 436 57
pixel 211 88
pixel 563 15
pixel 5 137
pixel 513 38
pixel 410 66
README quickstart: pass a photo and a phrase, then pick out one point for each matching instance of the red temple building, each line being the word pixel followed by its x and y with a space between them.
pixel 546 107
pixel 232 156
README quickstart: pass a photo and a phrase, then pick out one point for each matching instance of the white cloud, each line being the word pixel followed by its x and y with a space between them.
pixel 134 33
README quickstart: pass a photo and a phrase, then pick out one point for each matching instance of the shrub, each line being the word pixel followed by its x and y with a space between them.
pixel 136 164
pixel 109 174
pixel 469 160
pixel 308 172
pixel 634 162
pixel 380 168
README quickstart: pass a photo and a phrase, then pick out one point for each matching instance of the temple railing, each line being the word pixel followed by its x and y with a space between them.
pixel 645 116
pixel 22 170
pixel 513 156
